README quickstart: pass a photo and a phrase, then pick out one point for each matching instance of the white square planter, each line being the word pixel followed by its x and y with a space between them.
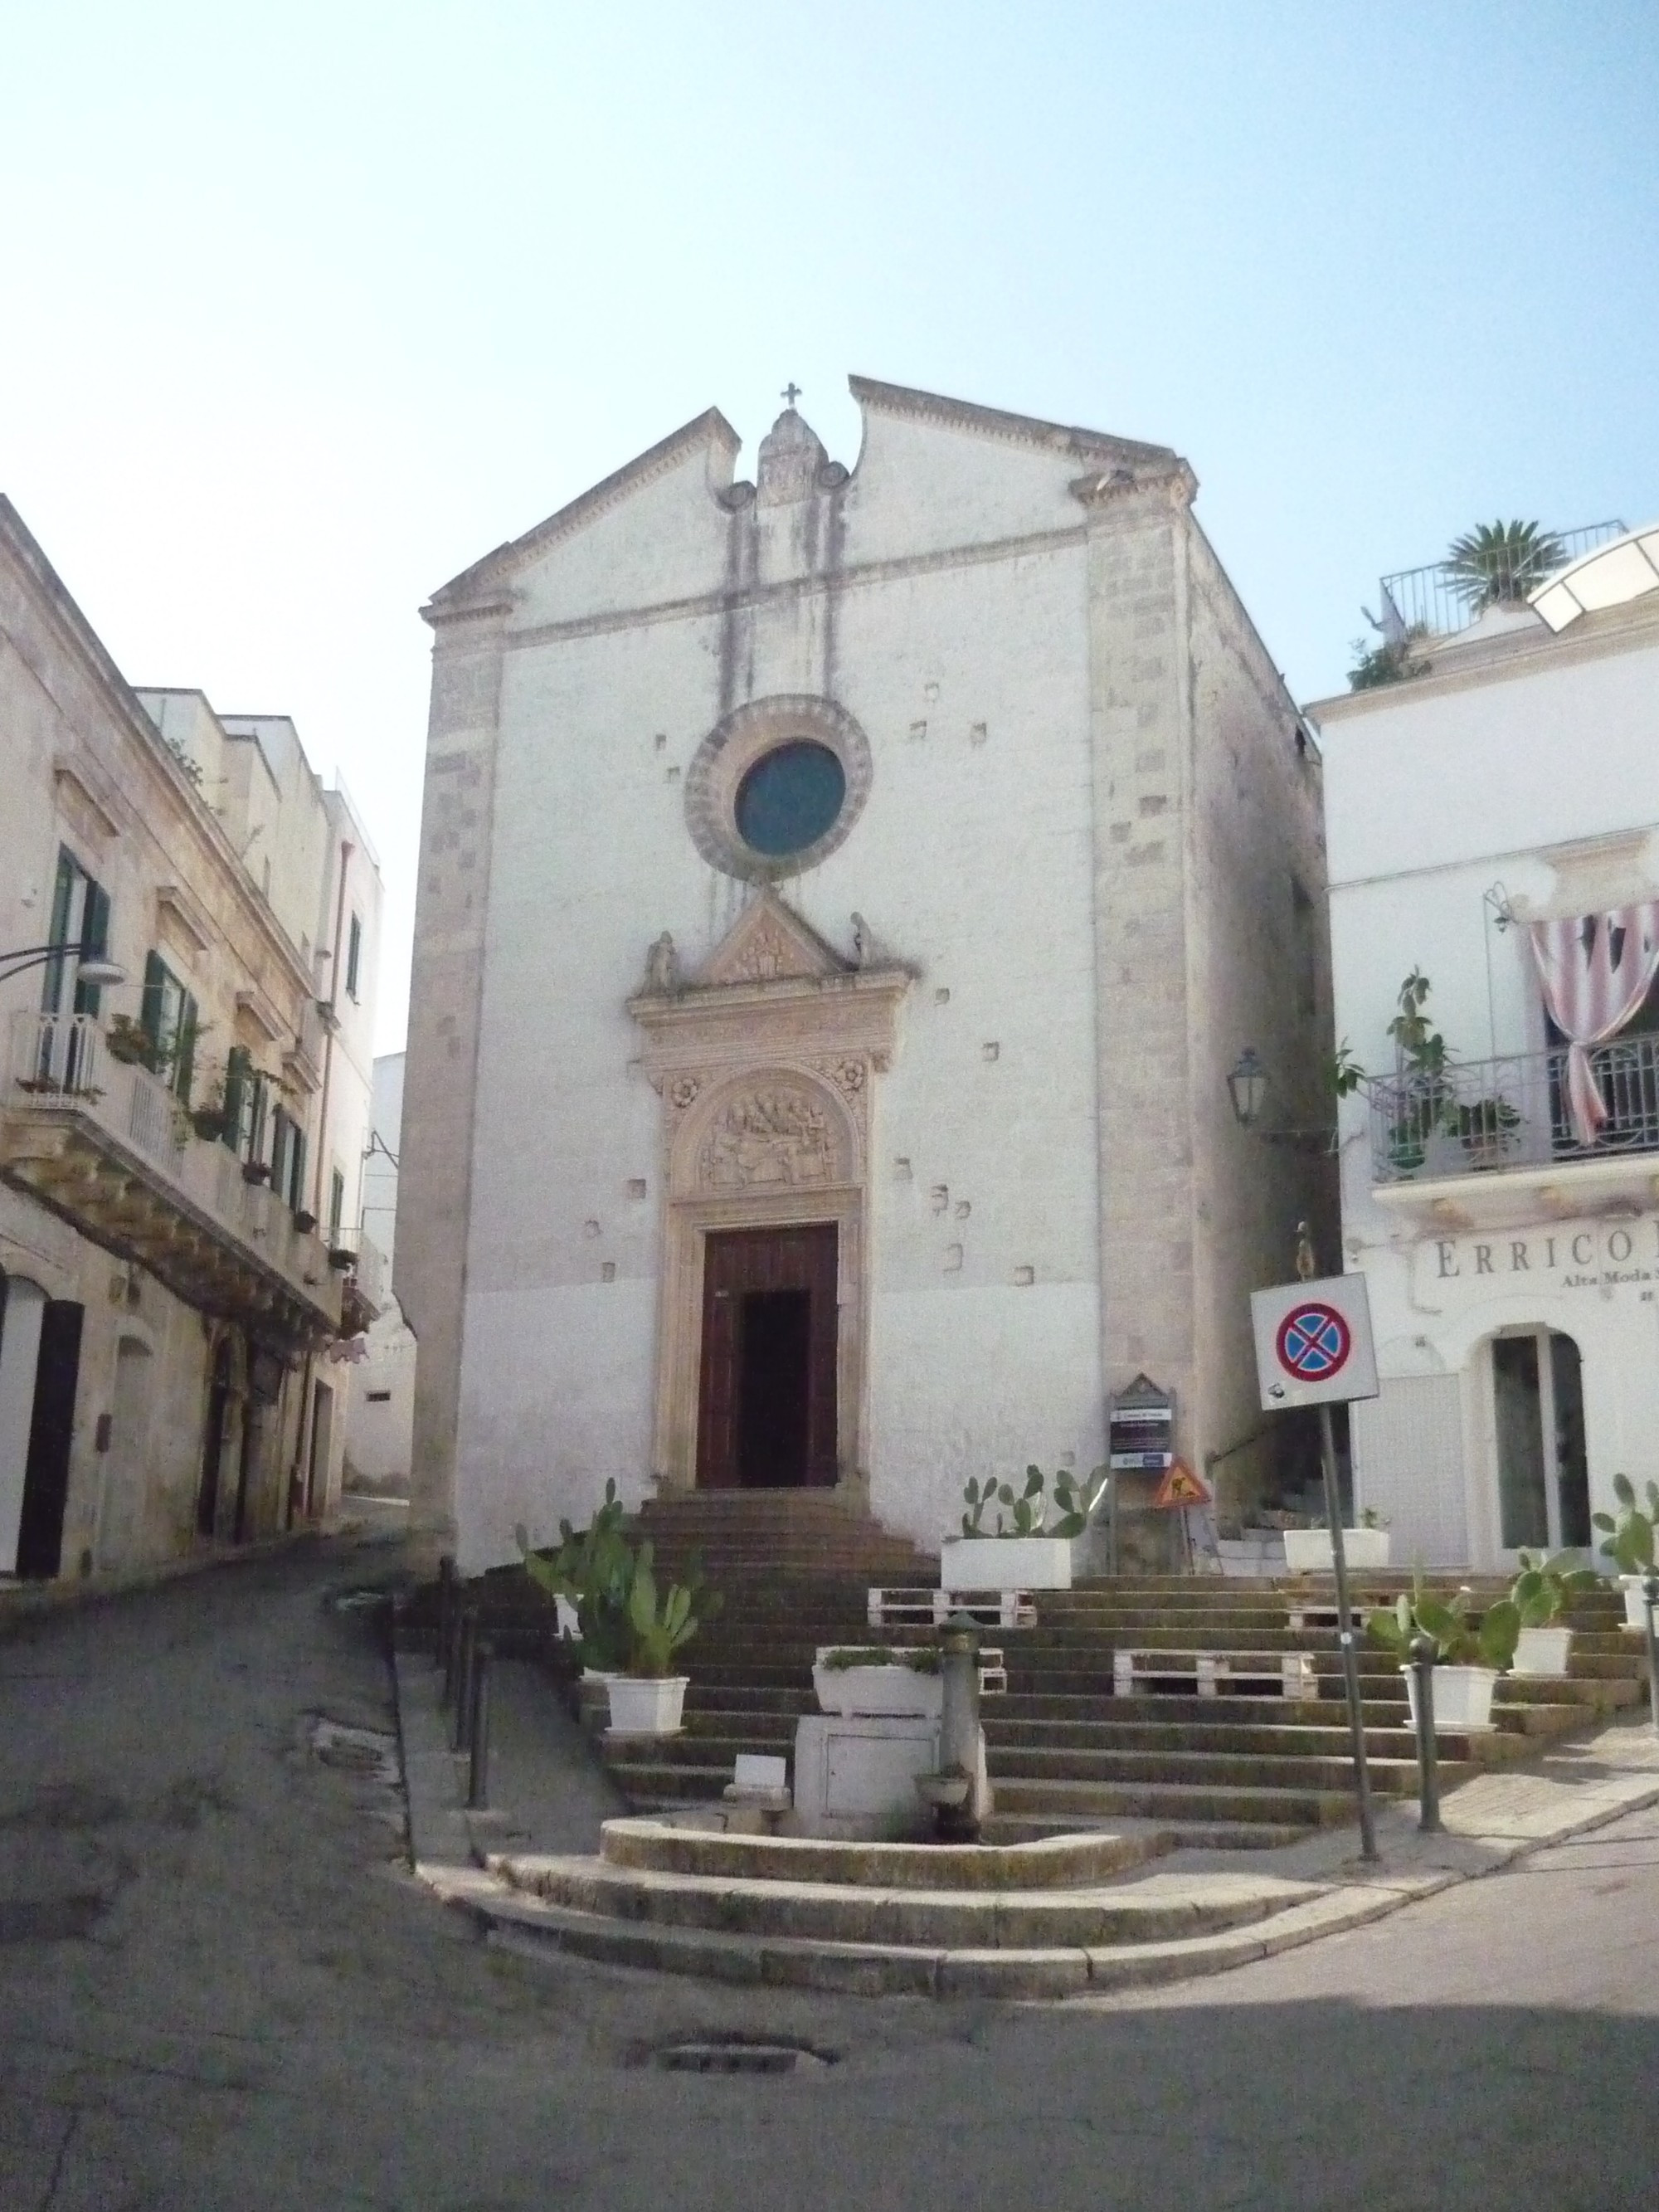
pixel 1542 1651
pixel 1636 1604
pixel 1004 1563
pixel 642 1705
pixel 874 1690
pixel 1462 1697
pixel 1308 1551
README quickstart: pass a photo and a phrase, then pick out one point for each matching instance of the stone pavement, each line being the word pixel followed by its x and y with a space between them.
pixel 548 1797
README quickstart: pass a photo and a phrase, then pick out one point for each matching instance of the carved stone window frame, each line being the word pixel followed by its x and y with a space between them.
pixel 731 748
pixel 775 1011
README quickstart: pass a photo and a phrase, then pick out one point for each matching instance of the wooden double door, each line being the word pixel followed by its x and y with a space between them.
pixel 766 1402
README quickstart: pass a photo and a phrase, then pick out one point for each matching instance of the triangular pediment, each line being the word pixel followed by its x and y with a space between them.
pixel 768 943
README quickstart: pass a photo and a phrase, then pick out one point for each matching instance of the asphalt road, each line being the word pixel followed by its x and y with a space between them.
pixel 218 1988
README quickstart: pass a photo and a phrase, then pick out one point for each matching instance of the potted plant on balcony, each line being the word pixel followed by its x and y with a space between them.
pixel 1420 1088
pixel 127 1040
pixel 1365 1545
pixel 1482 1125
pixel 1026 1550
pixel 1539 1593
pixel 1469 1655
pixel 882 1678
pixel 1629 1542
pixel 304 1220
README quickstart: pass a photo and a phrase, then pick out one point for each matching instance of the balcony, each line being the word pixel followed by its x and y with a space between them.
pixel 363 1264
pixel 1485 1141
pixel 1436 602
pixel 104 1144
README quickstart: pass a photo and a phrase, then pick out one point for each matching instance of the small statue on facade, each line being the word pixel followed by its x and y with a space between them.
pixel 662 965
pixel 863 943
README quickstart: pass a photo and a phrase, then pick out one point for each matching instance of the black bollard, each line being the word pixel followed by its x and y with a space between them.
pixel 450 1655
pixel 446 1605
pixel 466 1653
pixel 477 1773
pixel 1650 1596
pixel 1424 1652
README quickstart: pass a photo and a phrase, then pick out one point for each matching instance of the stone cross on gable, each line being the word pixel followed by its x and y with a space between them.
pixel 790 393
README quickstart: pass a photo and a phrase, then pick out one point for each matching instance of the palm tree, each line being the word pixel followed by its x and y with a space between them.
pixel 1498 563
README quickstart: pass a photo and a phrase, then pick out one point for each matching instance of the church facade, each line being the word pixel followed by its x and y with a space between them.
pixel 842 896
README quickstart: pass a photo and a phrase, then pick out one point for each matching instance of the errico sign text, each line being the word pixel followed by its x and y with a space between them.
pixel 1572 1256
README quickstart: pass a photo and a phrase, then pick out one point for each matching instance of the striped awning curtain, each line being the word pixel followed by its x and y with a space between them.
pixel 1596 970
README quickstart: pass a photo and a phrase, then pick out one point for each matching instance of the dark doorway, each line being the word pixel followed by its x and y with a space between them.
pixel 52 1432
pixel 766 1416
pixel 213 1445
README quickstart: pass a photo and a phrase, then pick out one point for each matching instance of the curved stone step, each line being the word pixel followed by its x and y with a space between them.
pixel 665 1847
pixel 1150 1912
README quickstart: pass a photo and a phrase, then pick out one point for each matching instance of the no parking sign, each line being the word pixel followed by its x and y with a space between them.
pixel 1313 1342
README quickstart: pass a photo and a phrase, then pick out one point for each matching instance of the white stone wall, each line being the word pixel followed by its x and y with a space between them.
pixel 943 599
pixel 1524 767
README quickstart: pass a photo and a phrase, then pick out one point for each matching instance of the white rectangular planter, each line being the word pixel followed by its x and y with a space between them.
pixel 1308 1551
pixel 1542 1651
pixel 1462 1697
pixel 875 1691
pixel 1004 1563
pixel 645 1705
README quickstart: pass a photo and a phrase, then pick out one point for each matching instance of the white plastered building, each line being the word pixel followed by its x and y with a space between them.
pixel 842 897
pixel 1503 804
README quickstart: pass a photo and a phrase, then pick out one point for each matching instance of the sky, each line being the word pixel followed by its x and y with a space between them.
pixel 304 309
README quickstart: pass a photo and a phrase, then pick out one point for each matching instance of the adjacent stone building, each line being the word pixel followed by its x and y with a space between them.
pixel 842 898
pixel 1494 830
pixel 180 1149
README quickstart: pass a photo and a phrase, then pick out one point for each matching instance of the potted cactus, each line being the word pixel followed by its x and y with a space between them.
pixel 1027 1549
pixel 1470 1655
pixel 645 1699
pixel 1540 1591
pixel 1629 1542
pixel 878 1679
pixel 586 1578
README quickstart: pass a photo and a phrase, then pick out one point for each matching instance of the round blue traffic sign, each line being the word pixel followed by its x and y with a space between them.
pixel 1314 1342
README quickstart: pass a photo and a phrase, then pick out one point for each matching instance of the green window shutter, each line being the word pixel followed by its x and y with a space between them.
pixel 297 1180
pixel 238 1067
pixel 94 944
pixel 151 1005
pixel 184 1064
pixel 354 956
pixel 336 1202
pixel 63 895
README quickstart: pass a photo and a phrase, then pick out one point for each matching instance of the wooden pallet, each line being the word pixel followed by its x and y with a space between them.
pixel 1290 1673
pixel 926 1608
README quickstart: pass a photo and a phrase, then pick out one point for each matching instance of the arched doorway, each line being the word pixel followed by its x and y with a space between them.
pixel 120 1520
pixel 1538 1425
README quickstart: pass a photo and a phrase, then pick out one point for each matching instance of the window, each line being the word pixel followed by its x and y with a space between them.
pixel 1304 950
pixel 80 923
pixel 167 1016
pixel 790 799
pixel 1543 1474
pixel 354 955
pixel 336 1203
pixel 288 1160
pixel 240 1081
pixel 378 1397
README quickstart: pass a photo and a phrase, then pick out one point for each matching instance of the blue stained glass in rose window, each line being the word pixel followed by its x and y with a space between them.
pixel 790 799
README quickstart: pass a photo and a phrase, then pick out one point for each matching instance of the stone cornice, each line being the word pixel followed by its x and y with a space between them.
pixel 123 702
pixel 467 592
pixel 996 422
pixel 1175 486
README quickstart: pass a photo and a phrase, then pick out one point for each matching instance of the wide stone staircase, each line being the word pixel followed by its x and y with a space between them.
pixel 1065 1754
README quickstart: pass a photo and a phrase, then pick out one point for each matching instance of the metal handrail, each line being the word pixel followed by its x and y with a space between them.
pixel 1511 1112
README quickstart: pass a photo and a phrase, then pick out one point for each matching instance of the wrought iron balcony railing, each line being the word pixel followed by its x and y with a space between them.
pixel 1481 1116
pixel 1438 601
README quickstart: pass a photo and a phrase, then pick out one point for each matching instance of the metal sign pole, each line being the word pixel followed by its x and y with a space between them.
pixel 1362 1780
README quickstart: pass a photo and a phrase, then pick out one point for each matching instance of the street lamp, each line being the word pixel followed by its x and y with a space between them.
pixel 93 972
pixel 1248 1084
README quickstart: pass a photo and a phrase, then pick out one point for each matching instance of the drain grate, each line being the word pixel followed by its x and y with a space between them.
pixel 740 2055
pixel 356 1750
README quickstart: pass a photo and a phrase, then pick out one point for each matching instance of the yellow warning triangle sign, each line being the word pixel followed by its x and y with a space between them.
pixel 1180 1487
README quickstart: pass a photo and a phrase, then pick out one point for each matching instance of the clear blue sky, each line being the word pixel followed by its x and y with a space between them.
pixel 304 308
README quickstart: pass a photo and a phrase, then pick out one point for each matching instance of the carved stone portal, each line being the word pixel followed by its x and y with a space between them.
pixel 765 1062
